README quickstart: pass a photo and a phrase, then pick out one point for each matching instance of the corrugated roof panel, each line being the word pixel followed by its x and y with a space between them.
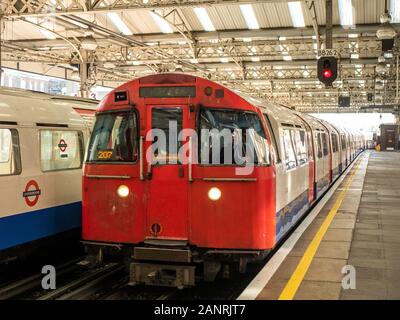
pixel 227 17
pixel 192 19
pixel 277 15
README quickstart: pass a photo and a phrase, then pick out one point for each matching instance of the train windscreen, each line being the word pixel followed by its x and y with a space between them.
pixel 114 138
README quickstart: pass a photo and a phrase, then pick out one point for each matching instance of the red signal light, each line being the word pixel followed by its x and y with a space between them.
pixel 327 73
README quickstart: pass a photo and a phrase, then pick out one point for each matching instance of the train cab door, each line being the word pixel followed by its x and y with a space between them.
pixel 167 176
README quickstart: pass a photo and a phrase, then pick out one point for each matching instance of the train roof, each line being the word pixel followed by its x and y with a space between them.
pixel 26 107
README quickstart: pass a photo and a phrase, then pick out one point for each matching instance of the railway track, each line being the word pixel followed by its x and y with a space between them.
pixel 14 289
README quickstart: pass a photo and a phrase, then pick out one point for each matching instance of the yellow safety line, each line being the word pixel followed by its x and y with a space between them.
pixel 295 280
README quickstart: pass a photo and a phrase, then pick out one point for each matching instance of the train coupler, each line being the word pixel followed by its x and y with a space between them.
pixel 168 275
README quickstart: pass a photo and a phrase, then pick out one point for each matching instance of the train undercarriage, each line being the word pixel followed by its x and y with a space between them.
pixel 171 263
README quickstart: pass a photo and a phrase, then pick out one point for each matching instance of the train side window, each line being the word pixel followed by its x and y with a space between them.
pixel 268 122
pixel 324 143
pixel 60 150
pixel 290 156
pixel 335 147
pixel 225 135
pixel 300 141
pixel 10 159
pixel 319 146
pixel 343 138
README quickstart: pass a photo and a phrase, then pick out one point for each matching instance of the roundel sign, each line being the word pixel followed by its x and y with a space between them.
pixel 62 145
pixel 31 193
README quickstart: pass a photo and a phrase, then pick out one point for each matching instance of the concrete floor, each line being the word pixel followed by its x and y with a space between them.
pixel 364 234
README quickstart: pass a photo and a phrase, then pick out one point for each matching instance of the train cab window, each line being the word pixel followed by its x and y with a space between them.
pixel 290 156
pixel 60 150
pixel 335 146
pixel 232 137
pixel 114 138
pixel 10 160
pixel 300 141
pixel 324 142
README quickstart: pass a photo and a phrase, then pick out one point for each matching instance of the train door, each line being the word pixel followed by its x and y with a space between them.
pixel 311 159
pixel 167 189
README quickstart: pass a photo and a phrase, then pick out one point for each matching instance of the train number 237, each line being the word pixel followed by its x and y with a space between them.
pixel 104 155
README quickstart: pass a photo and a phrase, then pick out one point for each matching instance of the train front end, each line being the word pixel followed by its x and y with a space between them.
pixel 169 186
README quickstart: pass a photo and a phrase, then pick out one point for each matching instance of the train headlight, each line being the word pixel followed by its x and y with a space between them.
pixel 214 194
pixel 123 191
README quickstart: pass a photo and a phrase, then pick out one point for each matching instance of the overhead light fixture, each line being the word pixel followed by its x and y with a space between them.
pixel 287 58
pixel 354 56
pixel 388 55
pixel 255 59
pixel 385 30
pixel 249 16
pixel 282 38
pixel 296 13
pixel 224 60
pixel 204 19
pixel 353 35
pixel 395 11
pixel 346 13
pixel 161 23
pixel 119 24
pixel 89 43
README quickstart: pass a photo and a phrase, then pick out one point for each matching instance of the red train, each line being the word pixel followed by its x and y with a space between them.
pixel 195 212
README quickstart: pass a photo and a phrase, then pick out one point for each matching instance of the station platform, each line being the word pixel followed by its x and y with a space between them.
pixel 351 248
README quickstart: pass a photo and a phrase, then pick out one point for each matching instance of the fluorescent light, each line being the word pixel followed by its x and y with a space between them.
pixel 161 23
pixel 353 35
pixel 249 16
pixel 119 24
pixel 354 56
pixel 282 38
pixel 247 39
pixel 224 60
pixel 287 58
pixel 194 61
pixel 296 13
pixel 255 59
pixel 204 19
pixel 395 10
pixel 346 13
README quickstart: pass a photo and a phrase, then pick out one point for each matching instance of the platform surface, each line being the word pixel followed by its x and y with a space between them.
pixel 363 236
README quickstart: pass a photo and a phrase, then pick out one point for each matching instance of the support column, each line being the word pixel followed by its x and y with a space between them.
pixel 328 30
pixel 83 74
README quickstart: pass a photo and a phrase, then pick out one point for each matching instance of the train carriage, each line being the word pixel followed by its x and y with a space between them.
pixel 42 142
pixel 174 221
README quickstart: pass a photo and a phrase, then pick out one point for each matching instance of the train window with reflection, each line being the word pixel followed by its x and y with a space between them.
pixel 232 137
pixel 319 146
pixel 60 150
pixel 10 160
pixel 290 156
pixel 167 124
pixel 324 143
pixel 300 140
pixel 114 138
pixel 334 139
pixel 343 139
